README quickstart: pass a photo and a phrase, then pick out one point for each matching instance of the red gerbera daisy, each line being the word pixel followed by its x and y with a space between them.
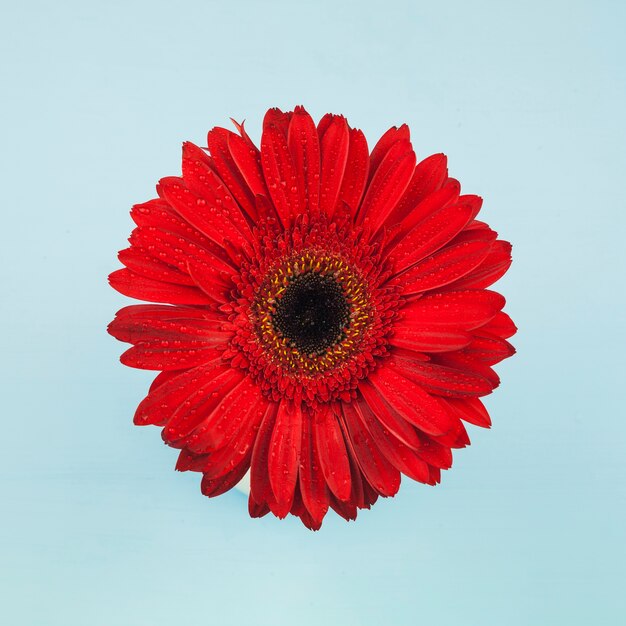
pixel 325 320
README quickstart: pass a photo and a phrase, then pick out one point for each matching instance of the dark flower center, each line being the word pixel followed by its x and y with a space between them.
pixel 312 313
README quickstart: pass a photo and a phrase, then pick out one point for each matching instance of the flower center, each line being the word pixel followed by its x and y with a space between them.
pixel 312 313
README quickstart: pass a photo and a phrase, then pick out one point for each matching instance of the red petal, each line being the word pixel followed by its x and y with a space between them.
pixel 148 312
pixel 358 494
pixel 199 402
pixel 335 144
pixel 492 268
pixel 260 488
pixel 385 144
pixel 159 405
pixel 204 213
pixel 399 427
pixel 141 262
pixel 278 118
pixel 501 325
pixel 435 475
pixel 284 456
pixel 441 380
pixel 142 288
pixel 158 214
pixel 471 410
pixel 467 309
pixel 460 361
pixel 312 482
pixel 357 168
pixel 200 178
pixel 383 476
pixel 409 399
pixel 216 487
pixel 162 378
pixel 429 338
pixel 136 324
pixel 433 453
pixel 488 348
pixel 455 438
pixel 333 456
pixel 304 146
pixel 388 184
pixel 168 338
pixel 248 159
pixel 238 449
pixel 431 234
pixel 219 142
pixel 444 267
pixel 180 252
pixel 399 455
pixel 406 219
pixel 280 173
pixel 257 510
pixel 243 410
pixel 299 510
pixel 428 177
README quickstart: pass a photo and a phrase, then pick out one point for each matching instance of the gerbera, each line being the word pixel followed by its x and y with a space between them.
pixel 324 320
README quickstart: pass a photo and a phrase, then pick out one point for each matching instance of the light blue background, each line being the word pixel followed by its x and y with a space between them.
pixel 528 101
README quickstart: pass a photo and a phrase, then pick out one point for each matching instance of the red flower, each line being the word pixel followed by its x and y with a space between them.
pixel 326 321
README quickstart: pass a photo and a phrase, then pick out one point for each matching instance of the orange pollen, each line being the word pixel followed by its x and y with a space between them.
pixel 334 271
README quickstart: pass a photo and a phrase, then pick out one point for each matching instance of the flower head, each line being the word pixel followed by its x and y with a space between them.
pixel 323 317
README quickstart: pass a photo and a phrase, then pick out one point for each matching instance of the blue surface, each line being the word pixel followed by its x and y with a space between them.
pixel 528 101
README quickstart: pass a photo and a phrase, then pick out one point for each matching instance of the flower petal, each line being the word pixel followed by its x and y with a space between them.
pixel 403 458
pixel 389 419
pixel 488 348
pixel 260 487
pixel 429 338
pixel 150 323
pixel 160 215
pixel 219 141
pixel 442 380
pixel 236 450
pixel 180 252
pixel 284 455
pixel 203 180
pixel 331 449
pixel 141 262
pixel 244 410
pixel 388 184
pixel 335 143
pixel 311 478
pixel 491 268
pixel 444 267
pixel 304 146
pixel 410 400
pixel 247 158
pixel 355 175
pixel 470 410
pixel 464 309
pixel 501 326
pixel 200 403
pixel 403 222
pixel 430 234
pixel 161 403
pixel 280 173
pixel 143 288
pixel 212 219
pixel 388 140
pixel 380 473
pixel 212 487
pixel 428 177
